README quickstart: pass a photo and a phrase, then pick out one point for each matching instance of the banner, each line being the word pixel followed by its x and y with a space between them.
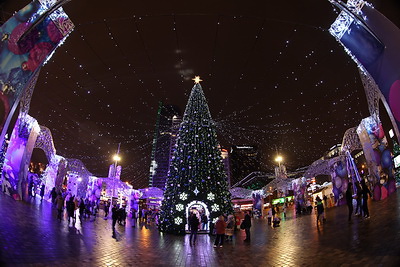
pixel 28 39
pixel 373 42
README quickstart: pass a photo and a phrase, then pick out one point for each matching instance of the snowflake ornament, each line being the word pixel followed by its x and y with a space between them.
pixel 211 196
pixel 215 207
pixel 178 220
pixel 183 196
pixel 179 207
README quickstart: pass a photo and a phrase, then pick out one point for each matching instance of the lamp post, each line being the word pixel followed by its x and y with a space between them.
pixel 279 159
pixel 116 158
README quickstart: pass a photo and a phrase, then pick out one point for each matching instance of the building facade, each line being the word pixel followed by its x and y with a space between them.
pixel 164 140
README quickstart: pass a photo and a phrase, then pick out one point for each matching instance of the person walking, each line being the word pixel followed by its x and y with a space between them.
pixel 320 209
pixel 194 227
pixel 42 192
pixel 220 226
pixel 358 199
pixel 365 194
pixel 30 188
pixel 269 216
pixel 284 211
pixel 204 222
pixel 106 208
pixel 53 195
pixel 134 217
pixel 70 209
pixel 325 198
pixel 349 199
pixel 114 216
pixel 230 224
pixel 247 225
pixel 309 206
pixel 81 209
pixel 60 206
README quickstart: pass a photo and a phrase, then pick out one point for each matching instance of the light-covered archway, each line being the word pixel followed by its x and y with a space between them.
pixel 197 205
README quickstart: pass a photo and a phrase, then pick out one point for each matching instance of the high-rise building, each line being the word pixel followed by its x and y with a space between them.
pixel 165 134
pixel 227 167
pixel 244 160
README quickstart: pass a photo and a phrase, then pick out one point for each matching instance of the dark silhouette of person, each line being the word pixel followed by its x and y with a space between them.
pixel 194 227
pixel 42 192
pixel 114 216
pixel 53 195
pixel 349 199
pixel 60 206
pixel 70 209
pixel 247 225
pixel 81 209
pixel 365 194
pixel 358 199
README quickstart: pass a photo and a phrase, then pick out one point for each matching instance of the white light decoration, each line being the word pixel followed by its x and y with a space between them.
pixel 341 25
pixel 196 191
pixel 178 220
pixel 183 196
pixel 215 207
pixel 356 5
pixel 215 220
pixel 211 196
pixel 179 207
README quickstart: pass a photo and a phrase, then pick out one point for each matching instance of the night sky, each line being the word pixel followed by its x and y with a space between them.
pixel 272 74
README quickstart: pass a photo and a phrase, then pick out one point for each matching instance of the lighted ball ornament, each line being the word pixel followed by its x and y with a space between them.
pixel 340 170
pixel 386 159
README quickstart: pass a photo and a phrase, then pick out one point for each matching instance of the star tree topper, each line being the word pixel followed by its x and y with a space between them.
pixel 197 79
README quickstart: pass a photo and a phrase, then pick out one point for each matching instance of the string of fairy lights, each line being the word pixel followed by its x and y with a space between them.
pixel 81 133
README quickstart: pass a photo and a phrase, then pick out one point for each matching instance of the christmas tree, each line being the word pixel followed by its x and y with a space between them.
pixel 196 175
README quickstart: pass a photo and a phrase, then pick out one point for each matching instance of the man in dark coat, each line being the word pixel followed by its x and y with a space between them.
pixel 349 199
pixel 247 225
pixel 70 209
pixel 194 227
pixel 114 216
pixel 365 193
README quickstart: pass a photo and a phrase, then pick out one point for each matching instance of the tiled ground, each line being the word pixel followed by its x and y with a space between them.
pixel 31 236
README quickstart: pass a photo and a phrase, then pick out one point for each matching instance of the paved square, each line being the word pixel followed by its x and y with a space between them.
pixel 30 235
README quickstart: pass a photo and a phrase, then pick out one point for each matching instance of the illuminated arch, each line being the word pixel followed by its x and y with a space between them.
pixel 351 140
pixel 197 203
pixel 45 142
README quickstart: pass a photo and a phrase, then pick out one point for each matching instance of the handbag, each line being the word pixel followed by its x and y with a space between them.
pixel 242 225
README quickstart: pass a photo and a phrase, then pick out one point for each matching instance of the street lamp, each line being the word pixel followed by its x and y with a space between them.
pixel 116 158
pixel 279 159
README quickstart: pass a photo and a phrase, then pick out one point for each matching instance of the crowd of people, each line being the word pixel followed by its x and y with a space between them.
pixel 224 227
pixel 84 209
pixel 74 206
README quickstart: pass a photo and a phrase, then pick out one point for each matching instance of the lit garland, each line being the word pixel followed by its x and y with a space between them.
pixel 241 131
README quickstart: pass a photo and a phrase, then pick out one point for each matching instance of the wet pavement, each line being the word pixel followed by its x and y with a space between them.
pixel 30 235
